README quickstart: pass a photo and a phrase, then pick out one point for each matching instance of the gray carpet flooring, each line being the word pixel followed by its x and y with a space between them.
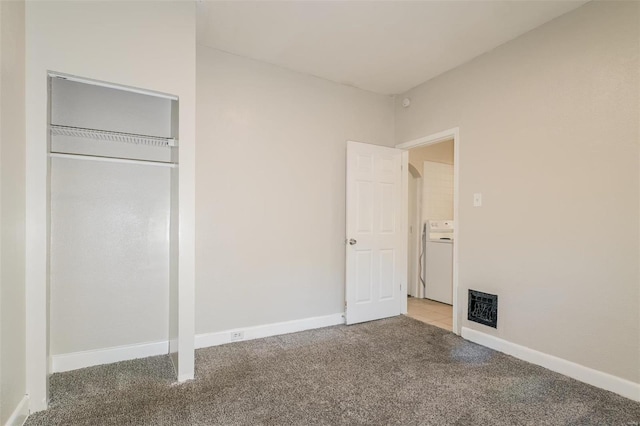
pixel 391 372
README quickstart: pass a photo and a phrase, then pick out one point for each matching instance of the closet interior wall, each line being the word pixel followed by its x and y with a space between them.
pixel 113 235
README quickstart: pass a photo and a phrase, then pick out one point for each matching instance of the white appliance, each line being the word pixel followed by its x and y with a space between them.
pixel 438 259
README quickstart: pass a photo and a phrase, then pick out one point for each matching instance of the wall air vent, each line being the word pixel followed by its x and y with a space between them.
pixel 483 308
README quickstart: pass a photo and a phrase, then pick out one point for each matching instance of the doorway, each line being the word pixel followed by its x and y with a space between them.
pixel 432 217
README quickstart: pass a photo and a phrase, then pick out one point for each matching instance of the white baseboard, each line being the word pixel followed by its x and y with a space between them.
pixel 579 372
pixel 267 330
pixel 75 360
pixel 20 414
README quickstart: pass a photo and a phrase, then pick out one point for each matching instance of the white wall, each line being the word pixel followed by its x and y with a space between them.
pixel 90 106
pixel 437 191
pixel 109 254
pixel 148 45
pixel 12 209
pixel 549 135
pixel 271 189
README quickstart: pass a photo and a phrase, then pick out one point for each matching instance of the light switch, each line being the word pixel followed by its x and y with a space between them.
pixel 477 199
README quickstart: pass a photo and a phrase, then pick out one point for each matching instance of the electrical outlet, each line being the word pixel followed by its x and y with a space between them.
pixel 237 335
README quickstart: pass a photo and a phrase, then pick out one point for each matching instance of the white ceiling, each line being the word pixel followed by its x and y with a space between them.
pixel 386 47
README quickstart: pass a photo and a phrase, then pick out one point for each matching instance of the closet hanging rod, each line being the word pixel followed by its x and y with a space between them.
pixel 111 159
pixel 105 135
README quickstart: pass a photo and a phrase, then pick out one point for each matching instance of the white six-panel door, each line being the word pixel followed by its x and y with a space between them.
pixel 375 256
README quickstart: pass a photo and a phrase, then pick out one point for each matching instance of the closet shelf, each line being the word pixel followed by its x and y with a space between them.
pixel 104 135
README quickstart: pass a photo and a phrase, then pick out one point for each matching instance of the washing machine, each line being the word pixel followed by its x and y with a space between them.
pixel 438 258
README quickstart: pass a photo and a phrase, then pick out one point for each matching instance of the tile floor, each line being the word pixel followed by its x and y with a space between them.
pixel 431 312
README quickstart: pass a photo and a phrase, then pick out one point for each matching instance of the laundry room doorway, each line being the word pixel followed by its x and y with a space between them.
pixel 431 211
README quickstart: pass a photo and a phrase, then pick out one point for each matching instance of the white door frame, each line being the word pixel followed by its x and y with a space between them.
pixel 435 138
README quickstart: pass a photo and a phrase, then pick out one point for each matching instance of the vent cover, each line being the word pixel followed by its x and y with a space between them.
pixel 483 308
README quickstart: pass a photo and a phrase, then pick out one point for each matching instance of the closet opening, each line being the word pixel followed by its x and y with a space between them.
pixel 113 211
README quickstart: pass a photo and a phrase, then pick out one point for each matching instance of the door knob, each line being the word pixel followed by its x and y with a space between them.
pixel 352 241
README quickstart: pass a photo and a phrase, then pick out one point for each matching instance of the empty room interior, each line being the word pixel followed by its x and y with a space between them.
pixel 319 212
